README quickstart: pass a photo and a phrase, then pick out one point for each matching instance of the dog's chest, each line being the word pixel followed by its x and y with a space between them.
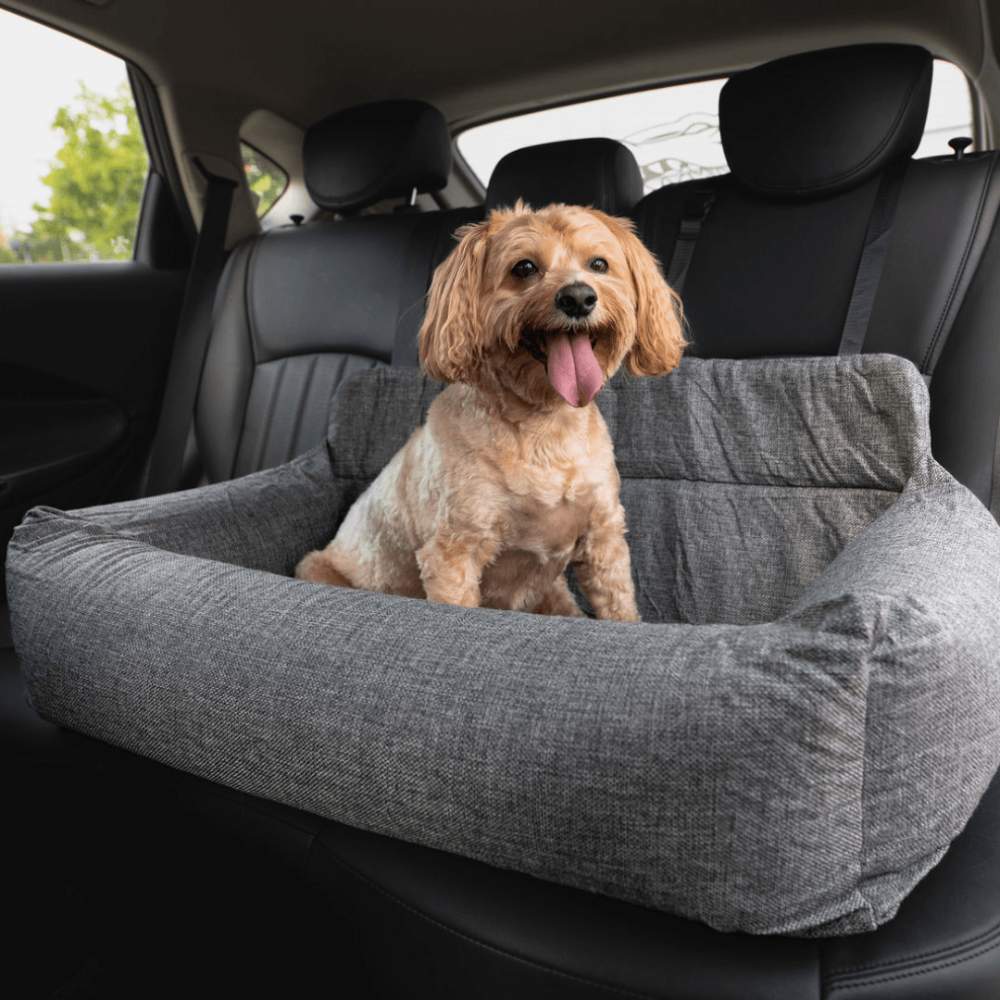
pixel 550 508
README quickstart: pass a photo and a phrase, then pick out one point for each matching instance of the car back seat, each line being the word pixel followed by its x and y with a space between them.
pixel 809 140
pixel 300 307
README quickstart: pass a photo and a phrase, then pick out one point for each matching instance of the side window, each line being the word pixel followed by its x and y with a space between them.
pixel 74 163
pixel 674 131
pixel 266 180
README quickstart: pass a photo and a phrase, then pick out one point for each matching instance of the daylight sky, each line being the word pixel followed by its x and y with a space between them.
pixel 40 70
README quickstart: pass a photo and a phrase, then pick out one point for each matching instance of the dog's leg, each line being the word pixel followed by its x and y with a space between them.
pixel 317 567
pixel 451 567
pixel 604 567
pixel 559 600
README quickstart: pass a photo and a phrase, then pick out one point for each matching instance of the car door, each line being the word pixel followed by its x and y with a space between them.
pixel 93 258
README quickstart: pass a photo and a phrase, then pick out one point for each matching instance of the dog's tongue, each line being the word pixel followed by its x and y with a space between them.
pixel 572 368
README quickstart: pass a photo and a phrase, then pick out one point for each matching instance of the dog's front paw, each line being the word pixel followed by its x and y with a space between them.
pixel 316 567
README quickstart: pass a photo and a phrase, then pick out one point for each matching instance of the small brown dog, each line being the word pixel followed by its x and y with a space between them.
pixel 513 477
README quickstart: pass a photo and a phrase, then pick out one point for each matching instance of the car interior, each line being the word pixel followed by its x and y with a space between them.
pixel 203 358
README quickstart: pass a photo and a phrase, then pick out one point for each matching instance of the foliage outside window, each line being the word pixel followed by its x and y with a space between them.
pixel 94 183
pixel 266 180
pixel 74 163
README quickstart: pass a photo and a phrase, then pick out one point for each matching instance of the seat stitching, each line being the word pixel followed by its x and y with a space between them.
pixel 876 980
pixel 300 411
pixel 619 991
pixel 248 309
pixel 934 953
pixel 963 264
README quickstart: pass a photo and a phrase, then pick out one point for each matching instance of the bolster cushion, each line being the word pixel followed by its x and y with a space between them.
pixel 793 775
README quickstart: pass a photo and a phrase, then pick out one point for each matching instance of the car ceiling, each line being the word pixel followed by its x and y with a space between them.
pixel 215 62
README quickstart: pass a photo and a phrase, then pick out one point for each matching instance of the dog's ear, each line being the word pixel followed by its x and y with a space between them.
pixel 450 339
pixel 659 334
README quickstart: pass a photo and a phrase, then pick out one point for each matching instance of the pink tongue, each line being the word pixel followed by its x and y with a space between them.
pixel 572 368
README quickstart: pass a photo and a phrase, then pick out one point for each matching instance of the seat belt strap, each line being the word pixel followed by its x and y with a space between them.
pixel 877 238
pixel 191 345
pixel 697 205
pixel 424 245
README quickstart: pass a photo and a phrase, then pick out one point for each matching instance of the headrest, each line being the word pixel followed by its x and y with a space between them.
pixel 822 122
pixel 598 172
pixel 359 156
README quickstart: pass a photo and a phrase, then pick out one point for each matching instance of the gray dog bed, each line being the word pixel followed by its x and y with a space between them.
pixel 788 743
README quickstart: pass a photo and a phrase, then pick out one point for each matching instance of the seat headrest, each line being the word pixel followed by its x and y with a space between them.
pixel 598 172
pixel 822 122
pixel 359 156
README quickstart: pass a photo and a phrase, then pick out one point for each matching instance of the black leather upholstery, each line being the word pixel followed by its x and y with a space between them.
pixel 299 308
pixel 822 122
pixel 361 155
pixel 598 172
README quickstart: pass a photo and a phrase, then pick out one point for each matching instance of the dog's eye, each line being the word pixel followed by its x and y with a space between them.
pixel 524 269
pixel 599 264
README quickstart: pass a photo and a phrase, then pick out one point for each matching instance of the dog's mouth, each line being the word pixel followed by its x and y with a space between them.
pixel 570 363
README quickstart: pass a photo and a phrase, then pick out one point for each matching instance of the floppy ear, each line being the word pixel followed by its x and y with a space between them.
pixel 451 335
pixel 659 335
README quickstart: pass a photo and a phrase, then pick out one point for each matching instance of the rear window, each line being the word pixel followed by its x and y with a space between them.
pixel 674 131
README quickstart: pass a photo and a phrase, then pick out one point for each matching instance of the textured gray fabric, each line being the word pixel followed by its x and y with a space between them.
pixel 795 775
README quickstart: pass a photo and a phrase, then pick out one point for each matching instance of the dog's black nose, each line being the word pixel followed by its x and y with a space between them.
pixel 576 300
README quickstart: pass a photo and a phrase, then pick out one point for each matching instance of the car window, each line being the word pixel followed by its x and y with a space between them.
pixel 74 162
pixel 674 131
pixel 266 180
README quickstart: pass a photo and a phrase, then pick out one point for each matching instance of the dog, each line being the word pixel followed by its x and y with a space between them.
pixel 512 477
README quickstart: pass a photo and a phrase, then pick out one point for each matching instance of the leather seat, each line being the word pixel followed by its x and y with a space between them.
pixel 300 307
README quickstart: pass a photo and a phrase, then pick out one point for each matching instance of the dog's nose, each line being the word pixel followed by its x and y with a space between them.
pixel 576 300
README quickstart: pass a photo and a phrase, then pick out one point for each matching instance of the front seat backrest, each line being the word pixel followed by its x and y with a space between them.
pixel 598 172
pixel 300 307
pixel 808 140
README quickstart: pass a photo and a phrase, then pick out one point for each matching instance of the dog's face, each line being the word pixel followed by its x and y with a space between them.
pixel 547 305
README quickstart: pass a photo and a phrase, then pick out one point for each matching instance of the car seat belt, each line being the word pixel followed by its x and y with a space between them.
pixel 424 245
pixel 697 205
pixel 166 458
pixel 869 274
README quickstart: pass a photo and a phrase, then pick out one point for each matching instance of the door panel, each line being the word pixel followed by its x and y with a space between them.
pixel 84 350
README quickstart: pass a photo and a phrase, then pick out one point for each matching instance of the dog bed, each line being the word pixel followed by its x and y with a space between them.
pixel 804 721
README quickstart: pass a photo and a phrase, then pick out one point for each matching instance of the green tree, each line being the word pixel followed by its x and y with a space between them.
pixel 266 180
pixel 7 256
pixel 95 183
